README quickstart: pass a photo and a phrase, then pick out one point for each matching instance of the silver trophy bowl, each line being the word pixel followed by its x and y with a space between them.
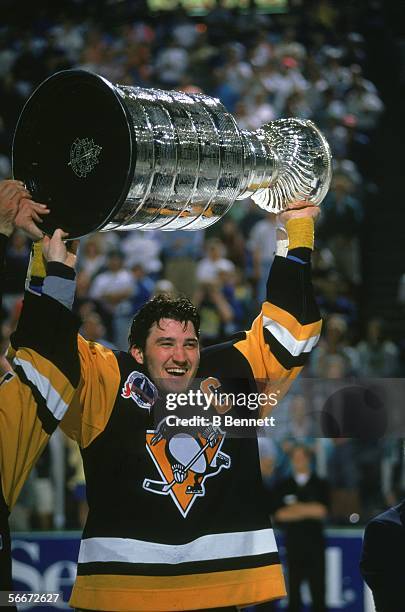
pixel 114 157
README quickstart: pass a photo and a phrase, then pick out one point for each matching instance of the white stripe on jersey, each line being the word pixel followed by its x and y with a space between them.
pixel 294 347
pixel 209 547
pixel 54 402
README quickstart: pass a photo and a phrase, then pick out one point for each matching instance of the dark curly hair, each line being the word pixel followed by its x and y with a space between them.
pixel 161 307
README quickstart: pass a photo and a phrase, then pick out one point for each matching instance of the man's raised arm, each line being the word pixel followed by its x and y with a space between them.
pixel 281 338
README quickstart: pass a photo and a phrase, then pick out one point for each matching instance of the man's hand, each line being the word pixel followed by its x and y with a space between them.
pixel 28 216
pixel 54 249
pixel 11 194
pixel 299 210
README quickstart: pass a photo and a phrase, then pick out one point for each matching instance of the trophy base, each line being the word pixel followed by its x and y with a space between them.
pixel 74 149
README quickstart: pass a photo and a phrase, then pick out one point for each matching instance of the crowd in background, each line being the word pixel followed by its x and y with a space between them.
pixel 306 63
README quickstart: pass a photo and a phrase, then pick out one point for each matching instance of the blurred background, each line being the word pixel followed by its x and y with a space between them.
pixel 339 63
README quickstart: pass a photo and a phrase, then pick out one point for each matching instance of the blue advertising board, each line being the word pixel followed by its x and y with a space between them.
pixel 46 562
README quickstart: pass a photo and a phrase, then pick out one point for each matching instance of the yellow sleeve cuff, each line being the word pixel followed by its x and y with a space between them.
pixel 300 233
pixel 38 268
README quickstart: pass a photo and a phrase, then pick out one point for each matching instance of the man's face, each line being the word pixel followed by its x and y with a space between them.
pixel 300 461
pixel 171 354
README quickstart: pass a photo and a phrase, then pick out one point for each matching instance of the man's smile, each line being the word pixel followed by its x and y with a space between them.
pixel 176 371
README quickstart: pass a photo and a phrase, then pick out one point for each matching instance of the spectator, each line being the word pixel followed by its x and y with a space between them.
pixel 143 248
pixel 214 259
pixel 92 257
pixel 378 356
pixel 216 313
pixel 185 32
pixel 287 80
pixel 113 288
pixel 164 287
pixel 260 111
pixel 263 49
pixel 300 505
pixel 239 297
pixel 69 37
pixel 115 284
pixel 339 227
pixel 236 71
pixel 180 251
pixel 171 65
pixel 93 329
pixel 365 105
pixel 334 296
pixel 334 351
pixel 289 46
pixel 300 425
pixel 142 289
pixel 232 238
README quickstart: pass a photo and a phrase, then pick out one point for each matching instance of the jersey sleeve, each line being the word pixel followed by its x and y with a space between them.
pixel 94 399
pixel 281 338
pixel 35 396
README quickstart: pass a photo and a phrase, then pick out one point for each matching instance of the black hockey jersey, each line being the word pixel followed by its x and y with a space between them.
pixel 152 542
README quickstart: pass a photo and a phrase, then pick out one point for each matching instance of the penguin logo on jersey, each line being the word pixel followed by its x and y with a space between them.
pixel 184 462
pixel 139 388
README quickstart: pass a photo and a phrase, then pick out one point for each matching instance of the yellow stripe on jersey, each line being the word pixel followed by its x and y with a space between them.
pixel 187 592
pixel 95 397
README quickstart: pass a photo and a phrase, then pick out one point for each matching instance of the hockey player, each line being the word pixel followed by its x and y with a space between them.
pixel 153 539
pixel 35 395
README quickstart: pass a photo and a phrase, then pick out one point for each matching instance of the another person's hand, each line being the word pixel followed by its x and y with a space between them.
pixel 11 193
pixel 54 249
pixel 299 210
pixel 28 216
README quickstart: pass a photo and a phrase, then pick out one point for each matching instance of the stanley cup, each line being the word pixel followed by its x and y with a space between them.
pixel 114 157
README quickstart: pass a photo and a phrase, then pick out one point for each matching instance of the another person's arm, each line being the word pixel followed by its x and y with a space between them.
pixel 90 405
pixel 35 396
pixel 300 511
pixel 94 399
pixel 16 210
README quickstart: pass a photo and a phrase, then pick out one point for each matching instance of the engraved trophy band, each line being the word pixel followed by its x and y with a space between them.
pixel 117 157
